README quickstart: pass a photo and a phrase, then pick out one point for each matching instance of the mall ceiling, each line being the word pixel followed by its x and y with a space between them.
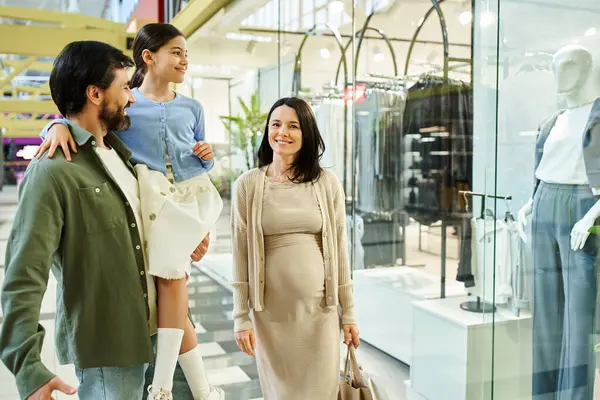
pixel 229 40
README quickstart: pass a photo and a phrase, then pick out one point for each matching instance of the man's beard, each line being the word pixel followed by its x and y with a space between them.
pixel 114 120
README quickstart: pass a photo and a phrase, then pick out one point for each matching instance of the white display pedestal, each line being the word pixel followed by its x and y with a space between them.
pixel 383 299
pixel 454 352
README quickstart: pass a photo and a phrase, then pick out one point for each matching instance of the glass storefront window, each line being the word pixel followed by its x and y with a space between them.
pixel 536 91
pixel 465 139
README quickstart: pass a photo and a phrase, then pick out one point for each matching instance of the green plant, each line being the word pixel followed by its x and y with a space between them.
pixel 223 179
pixel 244 130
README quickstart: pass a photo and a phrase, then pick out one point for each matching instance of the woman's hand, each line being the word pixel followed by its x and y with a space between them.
pixel 351 335
pixel 246 341
pixel 58 135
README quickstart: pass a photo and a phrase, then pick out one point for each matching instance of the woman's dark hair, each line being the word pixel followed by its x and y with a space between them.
pixel 151 37
pixel 306 167
pixel 82 64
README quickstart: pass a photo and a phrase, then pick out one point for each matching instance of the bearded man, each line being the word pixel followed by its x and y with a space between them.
pixel 82 220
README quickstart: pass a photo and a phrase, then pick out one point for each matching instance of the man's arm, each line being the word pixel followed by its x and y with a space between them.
pixel 33 241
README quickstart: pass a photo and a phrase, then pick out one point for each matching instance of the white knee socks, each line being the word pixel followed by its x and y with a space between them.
pixel 167 350
pixel 193 368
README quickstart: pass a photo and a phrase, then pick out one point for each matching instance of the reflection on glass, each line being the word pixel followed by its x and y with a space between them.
pixel 537 91
pixel 469 194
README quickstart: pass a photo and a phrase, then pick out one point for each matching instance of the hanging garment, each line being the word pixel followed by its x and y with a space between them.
pixel 492 260
pixel 437 130
pixel 465 273
pixel 522 271
pixel 330 120
pixel 518 259
pixel 378 124
pixel 359 262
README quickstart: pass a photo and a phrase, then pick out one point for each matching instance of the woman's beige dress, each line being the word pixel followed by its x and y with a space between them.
pixel 298 336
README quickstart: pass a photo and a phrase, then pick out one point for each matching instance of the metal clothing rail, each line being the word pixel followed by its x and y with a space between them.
pixel 483 196
pixel 361 34
pixel 445 69
pixel 297 77
pixel 445 43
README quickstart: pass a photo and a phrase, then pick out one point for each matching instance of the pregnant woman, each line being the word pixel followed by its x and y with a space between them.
pixel 291 263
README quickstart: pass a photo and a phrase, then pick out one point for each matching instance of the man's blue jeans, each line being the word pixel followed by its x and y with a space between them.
pixel 126 383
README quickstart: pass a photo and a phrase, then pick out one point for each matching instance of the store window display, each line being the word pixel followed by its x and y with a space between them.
pixel 563 208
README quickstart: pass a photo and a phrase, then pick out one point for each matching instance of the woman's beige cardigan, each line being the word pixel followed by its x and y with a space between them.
pixel 249 252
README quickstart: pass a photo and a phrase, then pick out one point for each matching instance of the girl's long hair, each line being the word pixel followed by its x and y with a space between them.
pixel 151 37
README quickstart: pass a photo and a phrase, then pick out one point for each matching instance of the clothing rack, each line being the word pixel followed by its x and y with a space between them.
pixel 445 69
pixel 377 142
pixel 479 306
pixel 296 78
pixel 329 93
pixel 387 86
pixel 435 6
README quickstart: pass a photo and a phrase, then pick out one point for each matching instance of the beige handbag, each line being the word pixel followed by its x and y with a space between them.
pixel 353 386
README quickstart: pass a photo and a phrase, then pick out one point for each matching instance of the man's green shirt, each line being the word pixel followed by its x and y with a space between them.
pixel 74 219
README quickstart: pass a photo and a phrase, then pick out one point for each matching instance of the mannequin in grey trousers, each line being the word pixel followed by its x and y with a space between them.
pixel 564 206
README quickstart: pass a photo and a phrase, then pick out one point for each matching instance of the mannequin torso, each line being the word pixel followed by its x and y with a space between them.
pixel 579 84
pixel 562 160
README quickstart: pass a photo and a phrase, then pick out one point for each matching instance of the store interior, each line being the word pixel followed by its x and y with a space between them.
pixel 426 132
pixel 240 52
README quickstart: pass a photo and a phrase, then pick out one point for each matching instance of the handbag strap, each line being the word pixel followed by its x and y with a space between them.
pixel 355 373
pixel 346 365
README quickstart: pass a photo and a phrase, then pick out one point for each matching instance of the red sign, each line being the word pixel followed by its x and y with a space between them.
pixel 360 93
pixel 148 10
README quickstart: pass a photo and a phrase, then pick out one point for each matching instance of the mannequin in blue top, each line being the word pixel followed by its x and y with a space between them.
pixel 167 134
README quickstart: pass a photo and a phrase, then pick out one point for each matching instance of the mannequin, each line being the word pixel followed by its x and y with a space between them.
pixel 563 208
pixel 576 81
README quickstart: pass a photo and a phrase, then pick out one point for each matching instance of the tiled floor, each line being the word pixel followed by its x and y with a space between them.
pixel 227 366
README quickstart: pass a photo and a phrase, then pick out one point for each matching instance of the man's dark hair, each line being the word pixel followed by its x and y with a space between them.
pixel 79 65
pixel 305 167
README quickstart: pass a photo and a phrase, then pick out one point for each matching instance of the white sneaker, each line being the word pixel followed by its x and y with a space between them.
pixel 159 394
pixel 215 394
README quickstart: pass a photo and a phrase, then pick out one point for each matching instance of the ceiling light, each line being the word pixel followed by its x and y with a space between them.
pixel 27 152
pixel 336 7
pixel 465 17
pixel 248 37
pixel 487 19
pixel 591 32
pixel 325 53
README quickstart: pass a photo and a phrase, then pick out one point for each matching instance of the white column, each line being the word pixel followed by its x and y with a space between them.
pixel 73 6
